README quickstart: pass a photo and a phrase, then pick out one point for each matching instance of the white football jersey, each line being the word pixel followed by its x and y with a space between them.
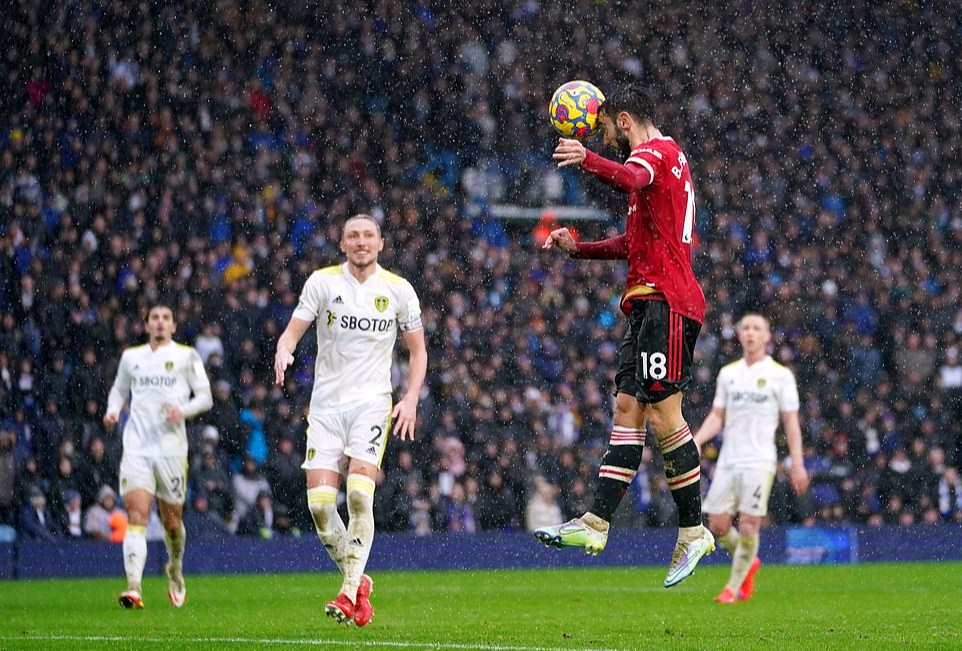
pixel 155 378
pixel 753 398
pixel 357 326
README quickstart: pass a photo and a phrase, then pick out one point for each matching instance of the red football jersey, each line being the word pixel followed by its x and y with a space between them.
pixel 660 227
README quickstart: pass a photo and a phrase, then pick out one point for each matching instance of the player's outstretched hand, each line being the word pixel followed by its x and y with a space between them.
pixel 282 360
pixel 562 238
pixel 110 420
pixel 569 152
pixel 799 477
pixel 405 417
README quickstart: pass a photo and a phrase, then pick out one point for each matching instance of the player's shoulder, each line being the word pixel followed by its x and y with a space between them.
pixel 333 270
pixel 731 367
pixel 781 369
pixel 327 275
pixel 184 349
pixel 392 278
pixel 133 351
pixel 657 147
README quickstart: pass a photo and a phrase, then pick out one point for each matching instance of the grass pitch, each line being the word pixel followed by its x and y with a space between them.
pixel 906 606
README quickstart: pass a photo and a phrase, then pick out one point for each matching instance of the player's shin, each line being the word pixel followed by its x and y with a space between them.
pixel 618 468
pixel 176 541
pixel 683 472
pixel 322 502
pixel 360 531
pixel 742 561
pixel 135 555
pixel 729 542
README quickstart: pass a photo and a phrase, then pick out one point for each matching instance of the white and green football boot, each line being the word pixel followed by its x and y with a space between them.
pixel 688 551
pixel 573 533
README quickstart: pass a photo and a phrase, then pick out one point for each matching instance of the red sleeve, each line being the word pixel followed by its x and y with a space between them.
pixel 626 178
pixel 615 248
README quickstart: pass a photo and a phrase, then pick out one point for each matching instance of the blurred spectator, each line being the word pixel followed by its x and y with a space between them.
pixel 248 484
pixel 950 495
pixel 543 509
pixel 201 522
pixel 63 483
pixel 209 342
pixel 37 521
pixel 225 417
pixel 8 477
pixel 287 480
pixel 96 470
pixel 496 504
pixel 97 521
pixel 283 524
pixel 661 509
pixel 460 513
pixel 211 479
pixel 259 518
pixel 71 519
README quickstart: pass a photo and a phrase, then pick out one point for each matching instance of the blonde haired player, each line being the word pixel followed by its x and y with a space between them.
pixel 160 377
pixel 749 397
pixel 359 308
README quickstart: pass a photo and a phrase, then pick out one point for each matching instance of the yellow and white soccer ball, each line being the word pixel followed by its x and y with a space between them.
pixel 574 109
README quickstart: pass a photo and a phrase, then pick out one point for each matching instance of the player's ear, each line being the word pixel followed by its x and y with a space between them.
pixel 380 246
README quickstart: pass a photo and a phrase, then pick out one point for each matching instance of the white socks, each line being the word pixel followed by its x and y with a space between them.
pixel 135 555
pixel 742 560
pixel 175 549
pixel 322 502
pixel 360 531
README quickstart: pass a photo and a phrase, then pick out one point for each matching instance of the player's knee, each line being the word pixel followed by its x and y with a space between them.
pixel 137 518
pixel 748 528
pixel 664 421
pixel 718 526
pixel 323 515
pixel 626 410
pixel 360 493
pixel 322 503
pixel 172 525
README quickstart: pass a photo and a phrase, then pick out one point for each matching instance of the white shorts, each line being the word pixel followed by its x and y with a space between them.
pixel 163 477
pixel 739 491
pixel 360 432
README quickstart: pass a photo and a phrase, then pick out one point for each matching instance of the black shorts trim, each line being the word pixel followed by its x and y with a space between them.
pixel 654 361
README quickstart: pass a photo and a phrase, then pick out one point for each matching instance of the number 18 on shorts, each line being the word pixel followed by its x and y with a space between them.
pixel 655 357
pixel 358 432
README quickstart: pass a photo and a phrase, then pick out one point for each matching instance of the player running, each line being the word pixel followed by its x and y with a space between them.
pixel 160 377
pixel 749 396
pixel 665 308
pixel 359 308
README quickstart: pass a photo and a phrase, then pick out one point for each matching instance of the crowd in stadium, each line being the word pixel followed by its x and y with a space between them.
pixel 207 156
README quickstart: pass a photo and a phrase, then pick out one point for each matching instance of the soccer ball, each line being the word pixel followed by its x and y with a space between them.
pixel 574 109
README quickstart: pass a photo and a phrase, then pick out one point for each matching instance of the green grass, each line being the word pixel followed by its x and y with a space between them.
pixel 908 606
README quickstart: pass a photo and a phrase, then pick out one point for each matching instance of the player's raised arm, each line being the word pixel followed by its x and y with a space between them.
pixel 793 434
pixel 634 175
pixel 405 411
pixel 286 346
